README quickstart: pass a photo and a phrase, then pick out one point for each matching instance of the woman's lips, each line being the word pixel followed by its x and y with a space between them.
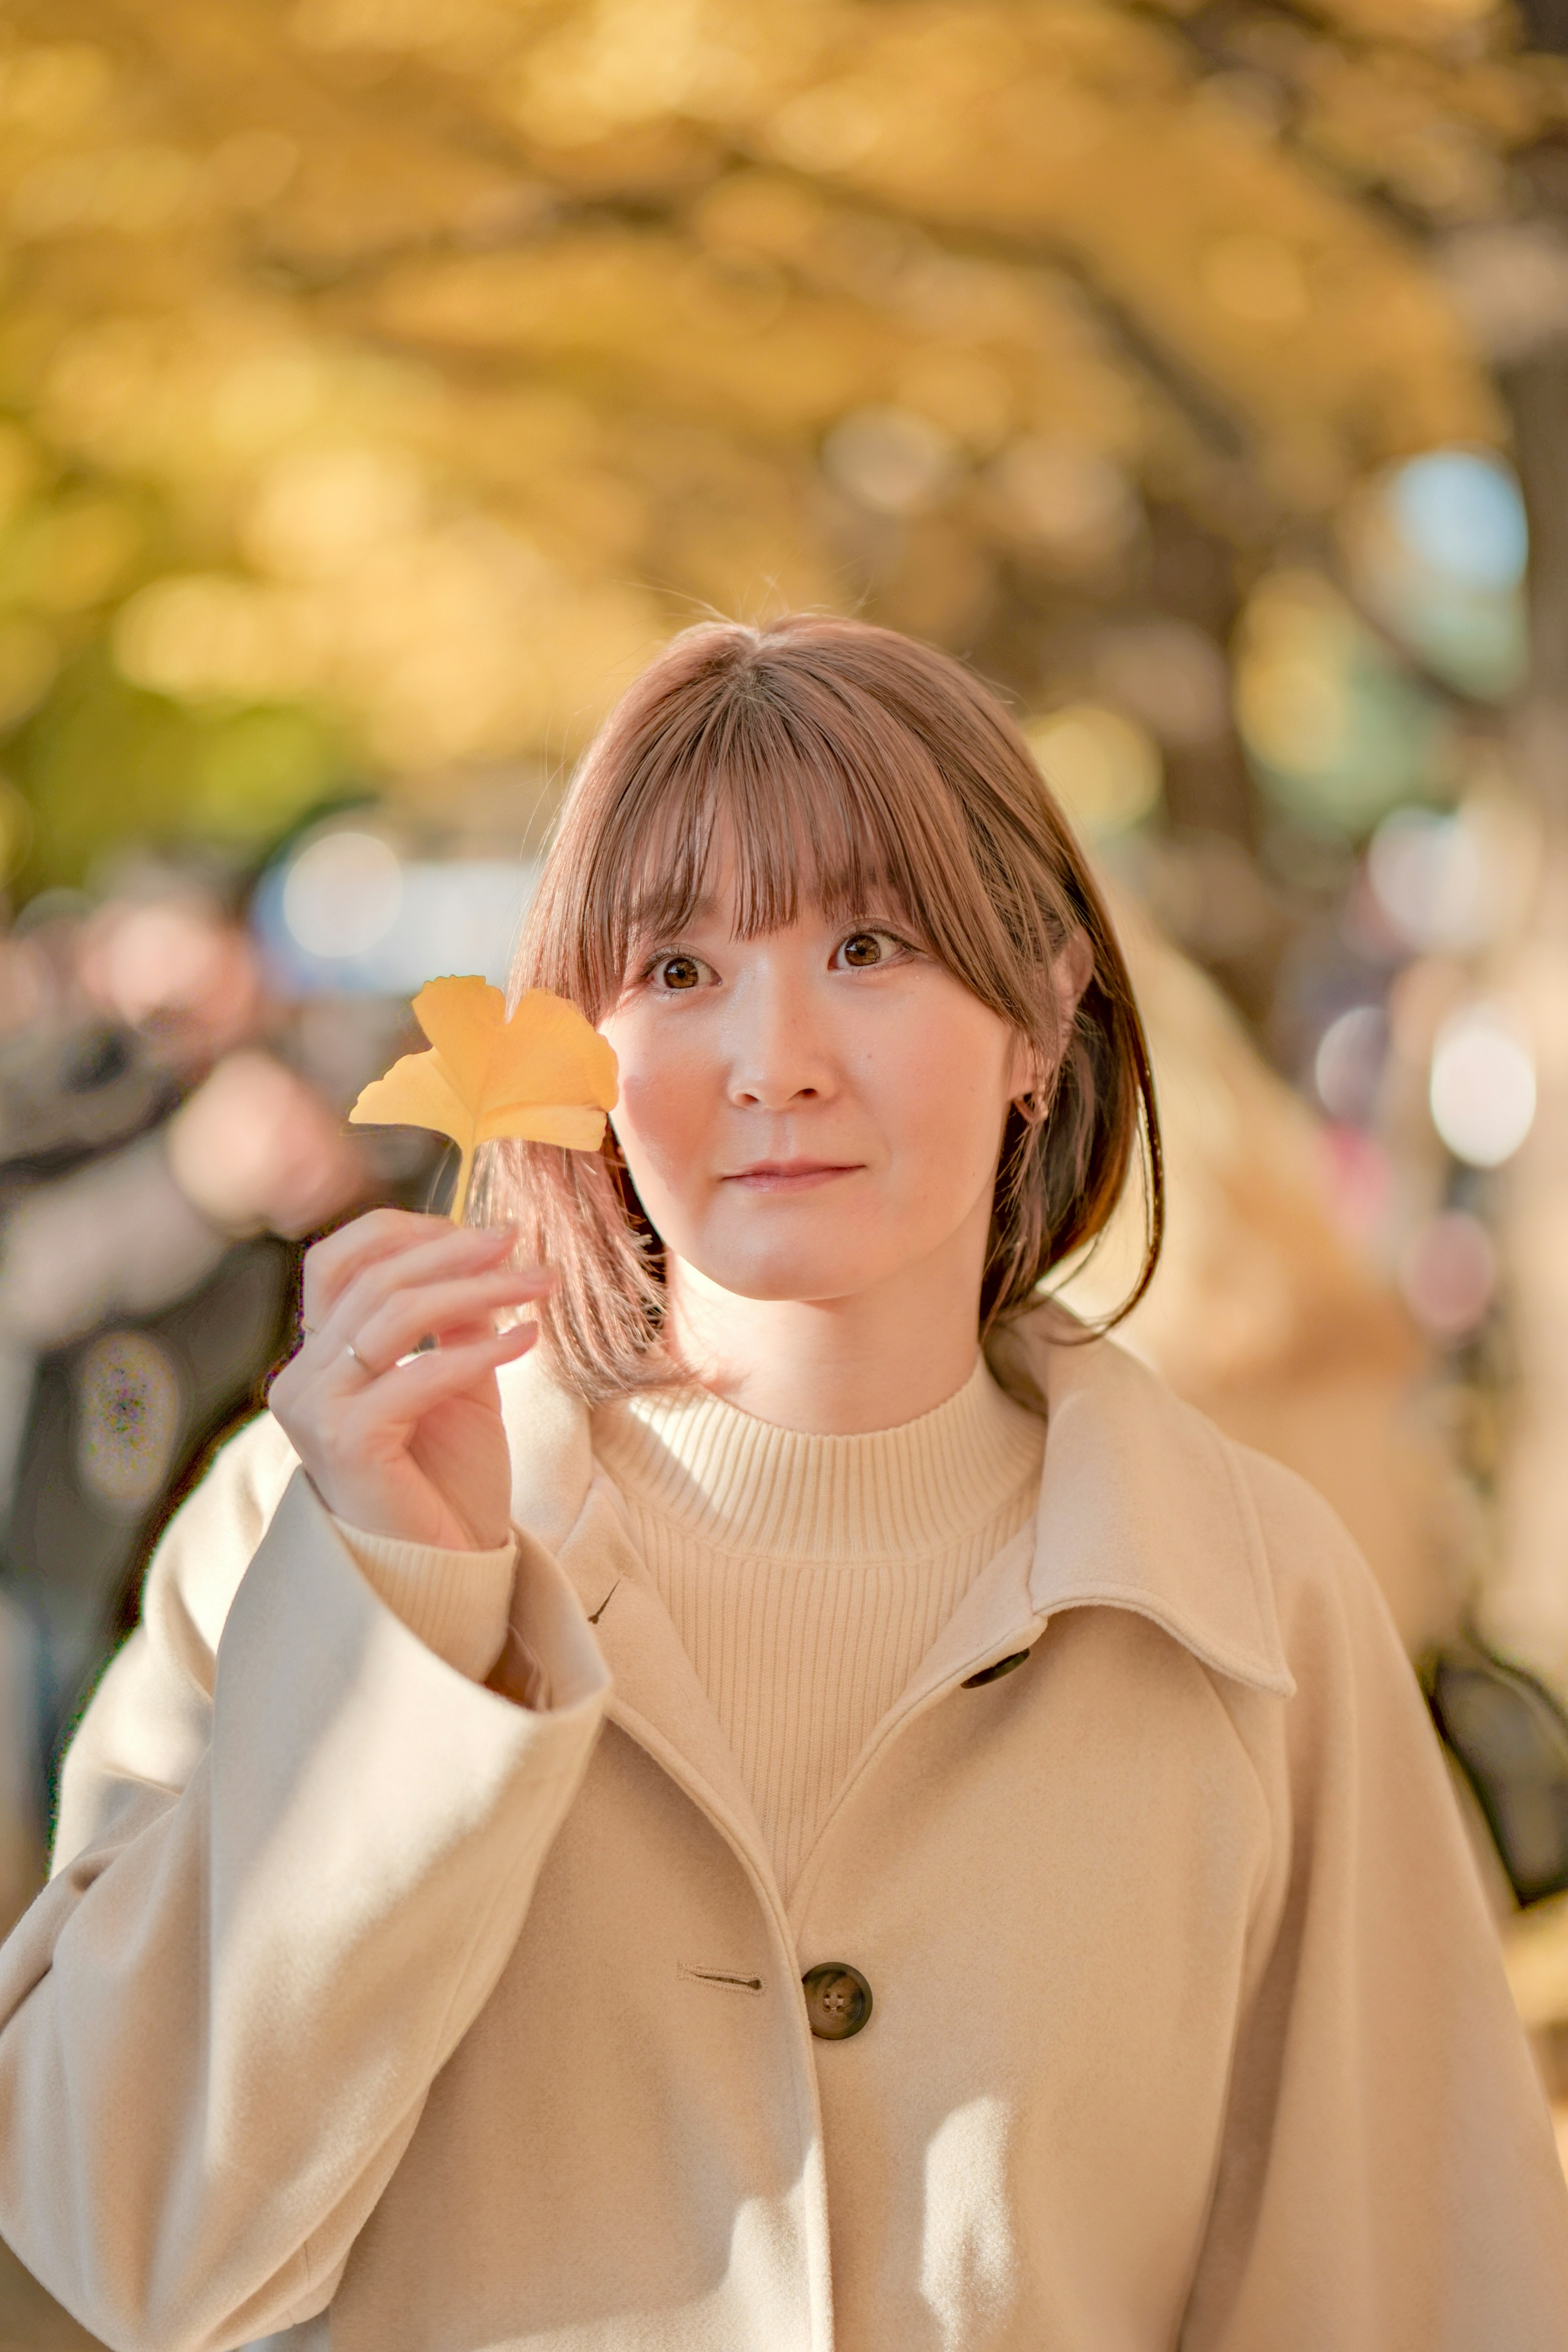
pixel 791 1175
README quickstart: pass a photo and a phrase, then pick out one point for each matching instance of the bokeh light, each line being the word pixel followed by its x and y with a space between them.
pixel 1448 1274
pixel 1104 766
pixel 342 894
pixel 1336 732
pixel 1437 879
pixel 1438 548
pixel 1482 1090
pixel 346 910
pixel 1070 501
pixel 1348 1067
pixel 1460 511
pixel 891 460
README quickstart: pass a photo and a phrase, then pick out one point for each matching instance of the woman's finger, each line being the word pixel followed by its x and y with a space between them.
pixel 448 1255
pixel 394 1398
pixel 440 1310
pixel 332 1263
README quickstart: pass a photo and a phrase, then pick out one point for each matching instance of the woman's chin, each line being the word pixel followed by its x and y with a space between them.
pixel 808 1277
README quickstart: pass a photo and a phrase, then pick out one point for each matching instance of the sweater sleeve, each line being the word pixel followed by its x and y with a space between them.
pixel 1388 2181
pixel 296 1848
pixel 459 1602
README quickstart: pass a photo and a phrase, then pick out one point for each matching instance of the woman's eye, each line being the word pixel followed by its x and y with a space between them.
pixel 863 949
pixel 678 971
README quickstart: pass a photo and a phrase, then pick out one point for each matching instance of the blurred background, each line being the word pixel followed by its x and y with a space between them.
pixel 383 381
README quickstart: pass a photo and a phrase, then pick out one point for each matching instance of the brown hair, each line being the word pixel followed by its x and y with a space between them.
pixel 847 766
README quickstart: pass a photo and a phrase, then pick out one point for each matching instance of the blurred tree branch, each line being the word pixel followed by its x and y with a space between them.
pixel 386 378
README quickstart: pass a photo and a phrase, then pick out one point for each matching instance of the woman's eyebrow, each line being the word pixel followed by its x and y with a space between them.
pixel 650 918
pixel 879 915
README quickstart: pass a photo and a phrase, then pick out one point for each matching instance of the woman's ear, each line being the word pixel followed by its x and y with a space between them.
pixel 1072 970
pixel 1070 973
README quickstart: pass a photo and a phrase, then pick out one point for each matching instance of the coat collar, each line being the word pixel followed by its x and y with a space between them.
pixel 1143 1505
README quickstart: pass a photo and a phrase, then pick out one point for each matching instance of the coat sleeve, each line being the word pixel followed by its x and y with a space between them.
pixel 296 1848
pixel 1388 2181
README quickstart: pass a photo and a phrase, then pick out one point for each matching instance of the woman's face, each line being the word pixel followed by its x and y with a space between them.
pixel 809 1114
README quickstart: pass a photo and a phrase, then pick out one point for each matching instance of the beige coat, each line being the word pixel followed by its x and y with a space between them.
pixel 363 1991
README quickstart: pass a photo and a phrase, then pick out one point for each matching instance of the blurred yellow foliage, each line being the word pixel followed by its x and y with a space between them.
pixel 423 363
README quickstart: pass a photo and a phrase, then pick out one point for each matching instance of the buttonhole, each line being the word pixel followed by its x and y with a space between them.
pixel 727 1979
pixel 994 1672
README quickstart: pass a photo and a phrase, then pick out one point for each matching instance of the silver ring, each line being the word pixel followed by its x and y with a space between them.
pixel 351 1349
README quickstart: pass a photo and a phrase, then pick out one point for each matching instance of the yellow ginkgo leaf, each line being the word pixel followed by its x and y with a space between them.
pixel 545 1074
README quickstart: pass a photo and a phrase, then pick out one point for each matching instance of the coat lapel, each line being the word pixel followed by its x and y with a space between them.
pixel 558 1496
pixel 656 1696
pixel 1142 1504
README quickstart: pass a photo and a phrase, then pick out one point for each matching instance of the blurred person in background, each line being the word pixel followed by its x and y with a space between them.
pixel 156 1153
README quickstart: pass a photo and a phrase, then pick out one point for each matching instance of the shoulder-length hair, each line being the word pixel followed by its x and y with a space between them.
pixel 845 767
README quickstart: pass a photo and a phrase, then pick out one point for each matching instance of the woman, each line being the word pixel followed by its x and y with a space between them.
pixel 761 1826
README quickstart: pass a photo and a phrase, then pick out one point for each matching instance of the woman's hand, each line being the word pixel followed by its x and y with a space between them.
pixel 412 1448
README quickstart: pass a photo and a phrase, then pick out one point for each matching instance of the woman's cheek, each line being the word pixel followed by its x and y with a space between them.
pixel 942 1105
pixel 659 1124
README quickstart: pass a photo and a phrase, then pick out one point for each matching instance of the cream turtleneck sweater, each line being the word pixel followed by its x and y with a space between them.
pixel 808 1575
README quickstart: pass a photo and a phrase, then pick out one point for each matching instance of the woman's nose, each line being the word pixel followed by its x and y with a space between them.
pixel 778 1056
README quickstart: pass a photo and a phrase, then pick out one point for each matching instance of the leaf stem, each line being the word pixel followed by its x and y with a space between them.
pixel 460 1192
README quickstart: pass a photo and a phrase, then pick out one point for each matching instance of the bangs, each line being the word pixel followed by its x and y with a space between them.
pixel 785 832
pixel 837 808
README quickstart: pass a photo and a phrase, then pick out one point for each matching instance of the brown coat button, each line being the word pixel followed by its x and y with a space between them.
pixel 838 2000
pixel 994 1673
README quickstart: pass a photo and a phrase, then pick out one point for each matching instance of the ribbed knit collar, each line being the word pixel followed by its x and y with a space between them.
pixel 743 1484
